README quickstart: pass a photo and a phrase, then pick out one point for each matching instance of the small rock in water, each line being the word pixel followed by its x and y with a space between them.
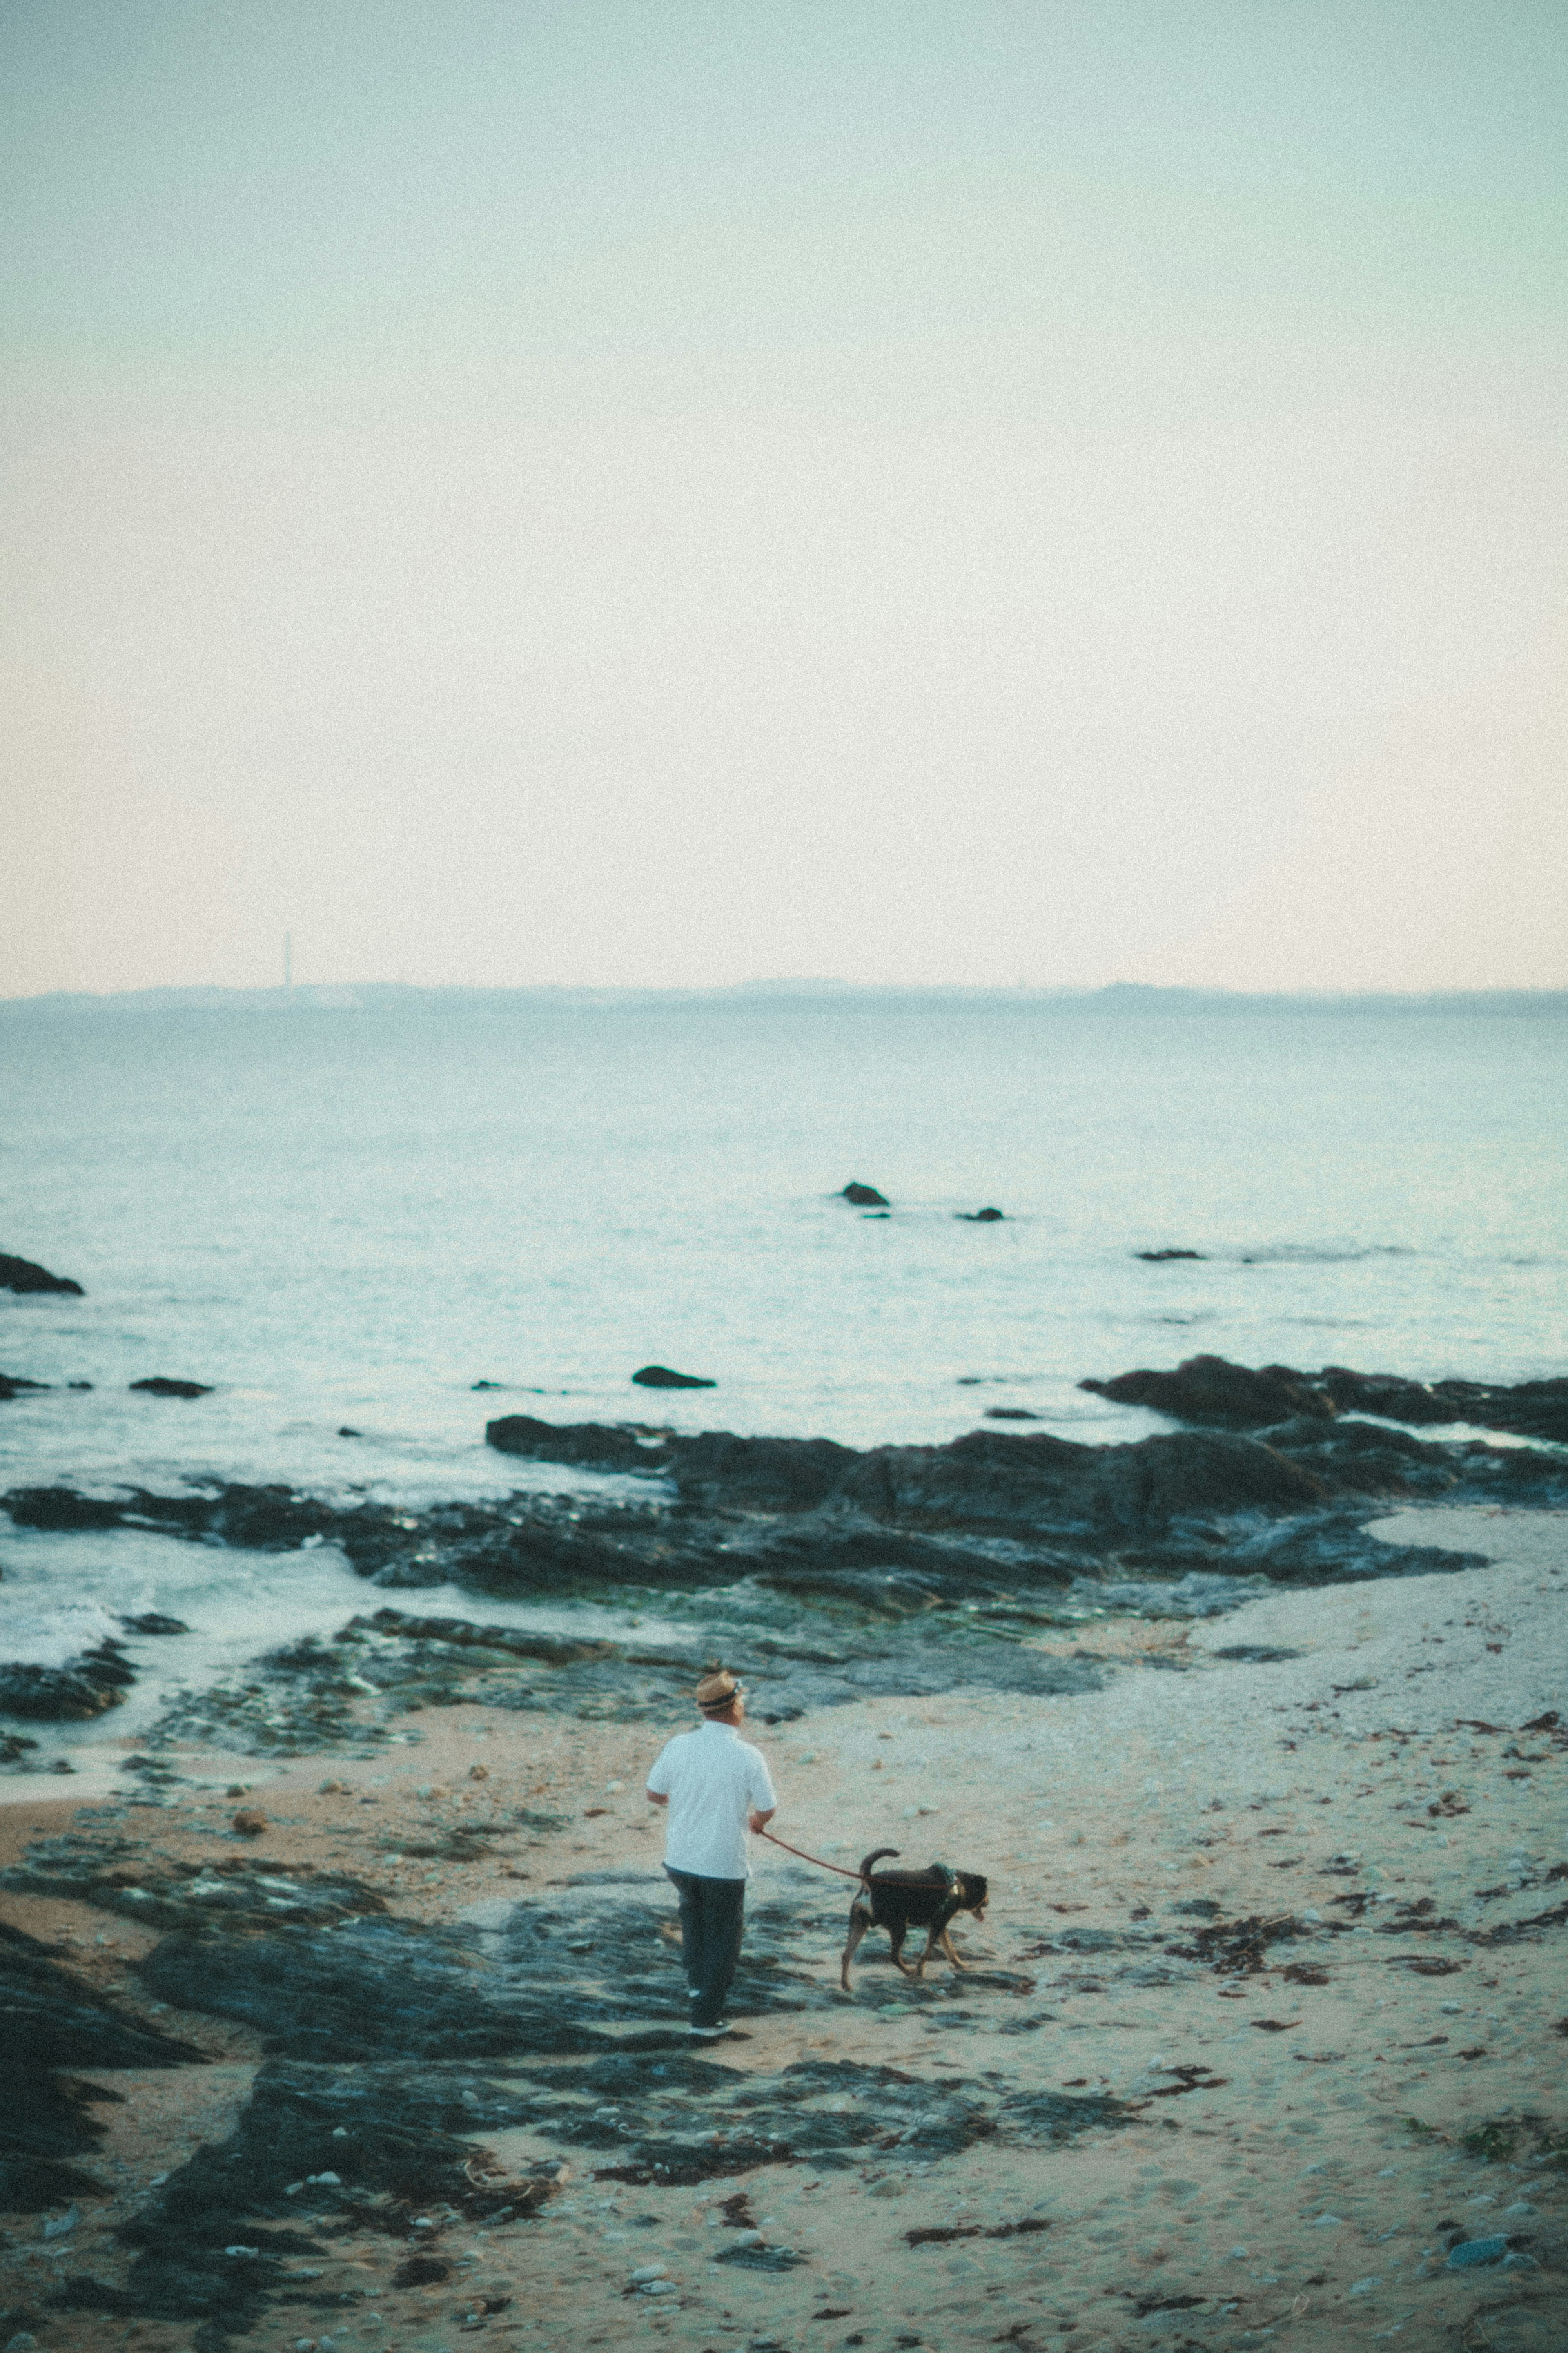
pixel 21 1275
pixel 1010 1413
pixel 161 1386
pixel 659 1376
pixel 987 1217
pixel 153 1622
pixel 864 1197
pixel 346 1429
pixel 251 1821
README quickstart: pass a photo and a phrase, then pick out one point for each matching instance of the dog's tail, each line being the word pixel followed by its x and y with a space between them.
pixel 875 1856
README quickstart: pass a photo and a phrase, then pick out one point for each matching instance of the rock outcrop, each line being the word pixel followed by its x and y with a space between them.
pixel 1527 1408
pixel 987 1217
pixel 162 1385
pixel 68 1695
pixel 659 1376
pixel 21 1275
pixel 864 1197
pixel 1217 1395
pixel 54 2029
pixel 1211 1392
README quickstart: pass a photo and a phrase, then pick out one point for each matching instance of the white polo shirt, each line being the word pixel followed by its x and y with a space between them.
pixel 712 1778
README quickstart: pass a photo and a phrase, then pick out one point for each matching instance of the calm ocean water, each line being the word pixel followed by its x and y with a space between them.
pixel 349 1216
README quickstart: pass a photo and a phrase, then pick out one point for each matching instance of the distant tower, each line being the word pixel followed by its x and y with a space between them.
pixel 288 962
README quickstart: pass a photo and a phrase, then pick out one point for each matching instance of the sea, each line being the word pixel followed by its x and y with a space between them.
pixel 347 1210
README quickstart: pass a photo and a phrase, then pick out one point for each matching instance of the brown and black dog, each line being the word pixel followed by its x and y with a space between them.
pixel 901 1900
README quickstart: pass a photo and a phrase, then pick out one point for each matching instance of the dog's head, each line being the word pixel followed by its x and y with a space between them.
pixel 971 1892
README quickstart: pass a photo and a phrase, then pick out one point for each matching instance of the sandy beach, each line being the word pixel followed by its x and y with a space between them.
pixel 1287 1896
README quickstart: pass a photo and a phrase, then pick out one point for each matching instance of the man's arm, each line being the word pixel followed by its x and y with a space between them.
pixel 656 1797
pixel 759 1819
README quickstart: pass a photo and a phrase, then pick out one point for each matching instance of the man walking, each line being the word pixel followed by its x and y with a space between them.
pixel 716 1786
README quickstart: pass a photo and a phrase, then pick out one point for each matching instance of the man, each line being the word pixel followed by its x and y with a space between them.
pixel 716 1786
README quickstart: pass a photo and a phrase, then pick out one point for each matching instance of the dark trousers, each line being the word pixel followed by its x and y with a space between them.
pixel 712 1916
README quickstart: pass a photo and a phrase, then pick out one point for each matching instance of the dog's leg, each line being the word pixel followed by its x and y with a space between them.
pixel 952 1956
pixel 933 1937
pixel 859 1921
pixel 896 1931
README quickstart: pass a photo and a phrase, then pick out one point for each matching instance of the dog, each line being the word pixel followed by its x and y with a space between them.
pixel 901 1900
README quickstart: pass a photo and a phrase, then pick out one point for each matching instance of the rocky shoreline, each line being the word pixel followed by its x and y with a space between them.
pixel 1259 2034
pixel 827 1573
pixel 350 2060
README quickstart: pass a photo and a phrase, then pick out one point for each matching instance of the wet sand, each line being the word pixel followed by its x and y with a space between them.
pixel 1309 2136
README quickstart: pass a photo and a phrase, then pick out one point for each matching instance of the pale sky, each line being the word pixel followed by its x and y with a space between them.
pixel 677 493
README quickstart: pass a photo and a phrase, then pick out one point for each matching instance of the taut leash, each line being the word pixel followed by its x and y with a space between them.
pixel 839 1867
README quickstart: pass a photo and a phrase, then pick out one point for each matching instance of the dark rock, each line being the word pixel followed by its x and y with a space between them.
pixel 61 1508
pixel 79 1385
pixel 64 1694
pixel 486 1385
pixel 508 1642
pixel 864 1197
pixel 1160 1257
pixel 1209 1391
pixel 160 1385
pixel 979 1216
pixel 421 2271
pixel 13 1383
pixel 21 1275
pixel 1010 1413
pixel 659 1376
pixel 991 1482
pixel 1528 1408
pixel 153 1622
pixel 591 1445
pixel 52 2027
pixel 760 1474
pixel 1214 1394
pixel 345 1430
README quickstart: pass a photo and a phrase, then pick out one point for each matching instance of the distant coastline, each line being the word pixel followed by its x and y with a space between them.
pixel 1127 998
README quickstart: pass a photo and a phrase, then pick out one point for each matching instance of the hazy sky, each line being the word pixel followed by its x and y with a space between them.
pixel 657 492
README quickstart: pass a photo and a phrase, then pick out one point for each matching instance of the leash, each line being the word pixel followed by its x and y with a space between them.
pixel 839 1867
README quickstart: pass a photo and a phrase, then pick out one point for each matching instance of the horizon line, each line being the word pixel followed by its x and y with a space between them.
pixel 345 995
